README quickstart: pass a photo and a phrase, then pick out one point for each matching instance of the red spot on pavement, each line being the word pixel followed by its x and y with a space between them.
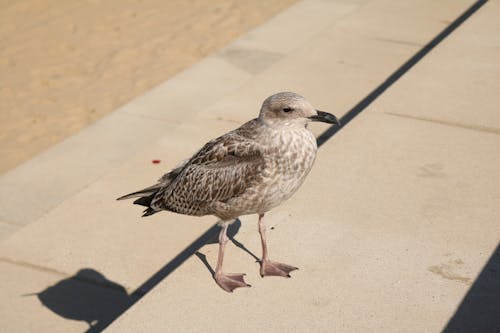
pixel 156 161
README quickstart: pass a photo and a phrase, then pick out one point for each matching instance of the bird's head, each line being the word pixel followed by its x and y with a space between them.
pixel 291 108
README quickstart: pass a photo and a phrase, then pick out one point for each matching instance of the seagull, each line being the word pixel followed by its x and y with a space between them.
pixel 249 170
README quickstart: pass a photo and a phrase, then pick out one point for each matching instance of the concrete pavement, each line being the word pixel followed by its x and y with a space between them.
pixel 390 230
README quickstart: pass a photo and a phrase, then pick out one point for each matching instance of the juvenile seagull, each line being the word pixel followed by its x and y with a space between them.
pixel 247 171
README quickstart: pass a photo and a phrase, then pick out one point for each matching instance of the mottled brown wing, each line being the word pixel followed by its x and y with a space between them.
pixel 223 169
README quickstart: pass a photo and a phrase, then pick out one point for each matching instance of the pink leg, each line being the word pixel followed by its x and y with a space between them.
pixel 268 267
pixel 228 282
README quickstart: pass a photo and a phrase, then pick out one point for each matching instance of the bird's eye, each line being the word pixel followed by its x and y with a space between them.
pixel 287 109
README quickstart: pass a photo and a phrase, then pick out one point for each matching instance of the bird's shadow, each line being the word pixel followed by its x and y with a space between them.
pixel 90 297
pixel 86 296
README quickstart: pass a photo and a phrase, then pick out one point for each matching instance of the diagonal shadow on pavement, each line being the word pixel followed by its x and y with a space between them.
pixel 480 308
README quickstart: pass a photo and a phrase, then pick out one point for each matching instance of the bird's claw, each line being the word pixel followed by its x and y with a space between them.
pixel 271 268
pixel 229 282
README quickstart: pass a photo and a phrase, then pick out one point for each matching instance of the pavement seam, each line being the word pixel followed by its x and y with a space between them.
pixel 12 223
pixel 477 128
pixel 34 267
pixel 396 41
pixel 62 201
pixel 322 30
pixel 143 116
pixel 86 185
pixel 220 54
pixel 64 275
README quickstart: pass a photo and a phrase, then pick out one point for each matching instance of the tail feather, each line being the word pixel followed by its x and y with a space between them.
pixel 145 198
pixel 144 192
pixel 148 211
pixel 145 201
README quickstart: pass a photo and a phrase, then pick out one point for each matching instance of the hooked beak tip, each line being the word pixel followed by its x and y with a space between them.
pixel 325 117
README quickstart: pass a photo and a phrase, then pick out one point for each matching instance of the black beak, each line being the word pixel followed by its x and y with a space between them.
pixel 325 117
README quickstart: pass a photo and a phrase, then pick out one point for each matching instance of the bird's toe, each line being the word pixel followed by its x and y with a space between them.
pixel 229 282
pixel 271 268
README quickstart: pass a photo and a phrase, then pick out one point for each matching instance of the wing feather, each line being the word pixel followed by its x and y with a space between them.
pixel 223 169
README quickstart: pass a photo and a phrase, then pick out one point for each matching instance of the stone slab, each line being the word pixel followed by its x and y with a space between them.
pixel 189 92
pixel 36 187
pixel 295 26
pixel 458 84
pixel 343 63
pixel 390 229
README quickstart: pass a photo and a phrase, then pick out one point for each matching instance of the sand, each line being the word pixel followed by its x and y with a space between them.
pixel 65 64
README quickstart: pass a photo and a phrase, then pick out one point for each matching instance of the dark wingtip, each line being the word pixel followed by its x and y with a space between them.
pixel 149 211
pixel 144 201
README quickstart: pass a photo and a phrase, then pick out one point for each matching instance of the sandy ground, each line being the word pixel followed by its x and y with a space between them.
pixel 65 64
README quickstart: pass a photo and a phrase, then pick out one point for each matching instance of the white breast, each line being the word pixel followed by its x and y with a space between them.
pixel 291 157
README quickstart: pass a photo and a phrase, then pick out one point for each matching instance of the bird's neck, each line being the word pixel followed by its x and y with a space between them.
pixel 280 135
pixel 284 125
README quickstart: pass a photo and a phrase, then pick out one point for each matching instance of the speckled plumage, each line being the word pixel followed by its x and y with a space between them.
pixel 246 171
pixel 249 170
